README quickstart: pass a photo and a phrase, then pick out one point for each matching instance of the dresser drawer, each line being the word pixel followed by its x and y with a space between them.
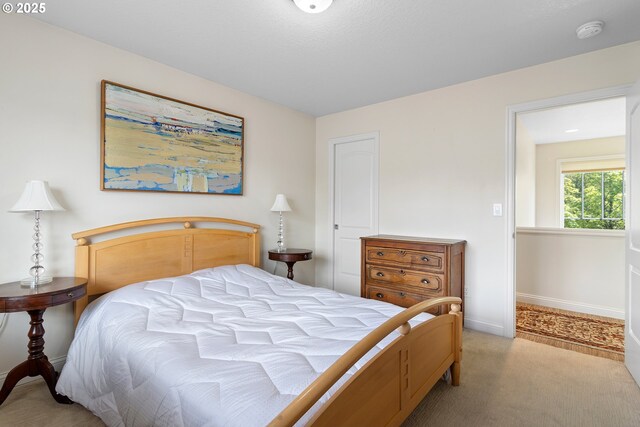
pixel 405 270
pixel 397 276
pixel 405 258
pixel 398 297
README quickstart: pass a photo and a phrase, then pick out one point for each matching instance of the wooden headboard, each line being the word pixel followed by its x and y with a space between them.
pixel 135 257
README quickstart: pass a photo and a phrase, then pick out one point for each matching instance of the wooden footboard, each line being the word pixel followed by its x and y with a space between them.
pixel 389 387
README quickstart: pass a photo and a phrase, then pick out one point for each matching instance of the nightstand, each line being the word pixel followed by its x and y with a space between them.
pixel 290 257
pixel 13 298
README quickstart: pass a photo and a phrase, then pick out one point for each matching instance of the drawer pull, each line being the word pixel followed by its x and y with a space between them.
pixel 380 274
pixel 70 294
pixel 380 254
pixel 379 295
pixel 402 294
pixel 425 281
pixel 425 259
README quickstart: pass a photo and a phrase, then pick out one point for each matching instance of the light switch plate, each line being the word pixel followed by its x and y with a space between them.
pixel 497 209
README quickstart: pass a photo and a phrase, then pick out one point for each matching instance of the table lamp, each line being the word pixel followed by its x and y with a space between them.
pixel 281 205
pixel 36 197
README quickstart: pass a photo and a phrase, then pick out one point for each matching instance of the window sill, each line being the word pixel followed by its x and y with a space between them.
pixel 570 231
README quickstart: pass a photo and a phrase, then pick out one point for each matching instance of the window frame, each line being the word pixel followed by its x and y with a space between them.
pixel 560 182
pixel 602 216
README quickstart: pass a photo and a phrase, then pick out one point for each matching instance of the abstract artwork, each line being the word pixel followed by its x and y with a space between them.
pixel 154 143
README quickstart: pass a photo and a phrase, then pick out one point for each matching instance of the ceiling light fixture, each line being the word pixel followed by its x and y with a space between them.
pixel 590 29
pixel 313 6
pixel 571 130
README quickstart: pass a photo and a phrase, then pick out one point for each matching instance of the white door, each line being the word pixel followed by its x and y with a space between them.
pixel 632 317
pixel 355 205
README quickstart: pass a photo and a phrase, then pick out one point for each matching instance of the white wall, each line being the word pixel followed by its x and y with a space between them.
pixel 443 162
pixel 525 177
pixel 578 270
pixel 547 174
pixel 50 119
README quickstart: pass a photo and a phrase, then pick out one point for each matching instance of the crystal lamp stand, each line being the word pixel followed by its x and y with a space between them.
pixel 37 270
pixel 280 242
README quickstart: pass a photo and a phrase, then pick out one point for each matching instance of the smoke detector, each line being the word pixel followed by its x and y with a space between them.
pixel 590 29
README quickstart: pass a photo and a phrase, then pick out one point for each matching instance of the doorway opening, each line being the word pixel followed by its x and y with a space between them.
pixel 569 206
pixel 565 247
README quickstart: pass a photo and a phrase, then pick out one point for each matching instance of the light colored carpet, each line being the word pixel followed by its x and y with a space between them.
pixel 520 383
pixel 32 405
pixel 504 383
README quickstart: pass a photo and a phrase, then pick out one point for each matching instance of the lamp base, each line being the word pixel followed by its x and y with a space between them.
pixel 29 282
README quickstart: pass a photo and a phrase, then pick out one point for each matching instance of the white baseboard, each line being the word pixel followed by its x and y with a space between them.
pixel 57 363
pixel 478 325
pixel 580 307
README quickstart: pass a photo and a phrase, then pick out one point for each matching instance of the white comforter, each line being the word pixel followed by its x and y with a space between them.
pixel 228 346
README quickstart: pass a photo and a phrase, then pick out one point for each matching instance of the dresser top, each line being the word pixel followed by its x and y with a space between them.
pixel 414 239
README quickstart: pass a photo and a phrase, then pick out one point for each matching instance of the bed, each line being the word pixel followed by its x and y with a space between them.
pixel 189 331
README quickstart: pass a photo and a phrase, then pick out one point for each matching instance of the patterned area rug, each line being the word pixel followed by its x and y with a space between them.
pixel 585 333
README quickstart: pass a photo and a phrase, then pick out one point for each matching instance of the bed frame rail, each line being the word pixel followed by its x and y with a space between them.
pixel 391 384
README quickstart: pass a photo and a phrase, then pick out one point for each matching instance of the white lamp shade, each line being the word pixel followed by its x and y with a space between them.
pixel 313 6
pixel 281 204
pixel 36 197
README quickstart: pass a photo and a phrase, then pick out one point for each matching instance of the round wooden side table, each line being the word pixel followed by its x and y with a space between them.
pixel 13 298
pixel 290 257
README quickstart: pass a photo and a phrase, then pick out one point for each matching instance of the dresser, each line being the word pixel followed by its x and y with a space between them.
pixel 405 270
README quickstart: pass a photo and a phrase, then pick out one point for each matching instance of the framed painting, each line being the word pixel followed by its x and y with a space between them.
pixel 154 143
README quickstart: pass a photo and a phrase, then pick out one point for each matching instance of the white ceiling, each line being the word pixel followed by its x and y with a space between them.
pixel 356 53
pixel 588 120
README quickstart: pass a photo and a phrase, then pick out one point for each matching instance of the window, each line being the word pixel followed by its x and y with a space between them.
pixel 594 199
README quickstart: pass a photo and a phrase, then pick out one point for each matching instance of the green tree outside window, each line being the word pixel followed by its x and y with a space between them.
pixel 594 200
